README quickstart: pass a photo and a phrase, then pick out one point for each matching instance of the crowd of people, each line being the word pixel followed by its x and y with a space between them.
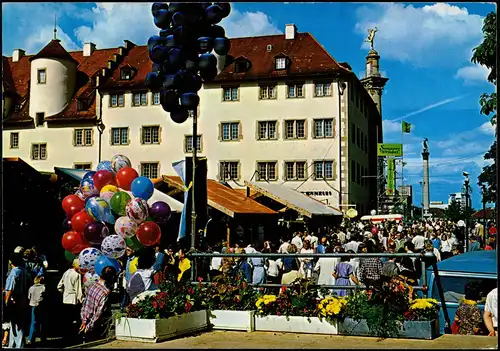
pixel 87 303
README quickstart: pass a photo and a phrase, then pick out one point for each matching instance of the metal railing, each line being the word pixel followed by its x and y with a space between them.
pixel 426 257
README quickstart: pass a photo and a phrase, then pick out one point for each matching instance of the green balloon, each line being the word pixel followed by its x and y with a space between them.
pixel 69 256
pixel 119 202
pixel 134 243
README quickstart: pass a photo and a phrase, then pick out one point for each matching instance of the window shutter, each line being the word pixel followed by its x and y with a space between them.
pixel 313 131
pixel 218 177
pixel 277 131
pixel 74 137
pixel 284 170
pixel 240 131
pixel 257 130
pixel 92 137
pixel 283 127
pixel 140 131
pixel 110 136
pixel 128 136
pixel 334 169
pixel 239 171
pixel 159 135
pixel 306 128
pixel 185 143
pixel 220 132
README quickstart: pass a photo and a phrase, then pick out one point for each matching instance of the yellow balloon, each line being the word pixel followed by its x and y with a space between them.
pixel 110 188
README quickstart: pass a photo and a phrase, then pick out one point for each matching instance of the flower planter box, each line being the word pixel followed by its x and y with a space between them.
pixel 155 330
pixel 295 324
pixel 411 329
pixel 232 320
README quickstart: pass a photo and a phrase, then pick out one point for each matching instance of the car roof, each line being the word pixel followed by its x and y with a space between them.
pixel 482 262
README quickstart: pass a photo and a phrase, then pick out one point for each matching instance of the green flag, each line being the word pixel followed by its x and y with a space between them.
pixel 406 127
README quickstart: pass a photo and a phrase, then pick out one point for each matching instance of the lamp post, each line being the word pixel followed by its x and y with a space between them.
pixel 341 88
pixel 100 128
pixel 466 193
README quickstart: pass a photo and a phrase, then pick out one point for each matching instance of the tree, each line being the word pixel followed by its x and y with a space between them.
pixel 488 175
pixel 454 211
pixel 486 54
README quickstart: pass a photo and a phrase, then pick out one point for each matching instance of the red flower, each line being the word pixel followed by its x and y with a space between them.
pixel 190 291
pixel 155 304
pixel 200 279
pixel 188 306
pixel 278 313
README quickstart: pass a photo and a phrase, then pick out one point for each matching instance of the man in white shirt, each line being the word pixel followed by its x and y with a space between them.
pixel 314 242
pixel 491 312
pixel 341 237
pixel 418 241
pixel 70 286
pixel 297 241
pixel 283 249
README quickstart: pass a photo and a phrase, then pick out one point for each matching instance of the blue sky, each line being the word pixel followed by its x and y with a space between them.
pixel 425 50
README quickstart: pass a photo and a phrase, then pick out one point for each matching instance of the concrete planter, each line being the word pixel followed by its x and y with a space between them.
pixel 155 330
pixel 410 330
pixel 232 320
pixel 295 324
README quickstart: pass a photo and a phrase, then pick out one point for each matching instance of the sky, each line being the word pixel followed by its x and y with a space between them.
pixel 425 51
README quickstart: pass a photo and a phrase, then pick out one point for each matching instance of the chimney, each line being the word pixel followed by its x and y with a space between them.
pixel 88 49
pixel 17 55
pixel 290 31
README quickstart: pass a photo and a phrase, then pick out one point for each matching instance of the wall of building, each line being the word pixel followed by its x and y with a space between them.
pixel 60 149
pixel 53 96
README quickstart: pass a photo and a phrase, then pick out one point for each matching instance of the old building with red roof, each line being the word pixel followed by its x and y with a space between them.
pixel 282 109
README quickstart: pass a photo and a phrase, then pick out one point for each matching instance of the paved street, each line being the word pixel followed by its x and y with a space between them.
pixel 261 340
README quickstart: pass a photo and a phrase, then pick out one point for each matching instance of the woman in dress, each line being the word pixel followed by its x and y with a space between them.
pixel 259 272
pixel 343 275
pixel 468 316
pixel 445 247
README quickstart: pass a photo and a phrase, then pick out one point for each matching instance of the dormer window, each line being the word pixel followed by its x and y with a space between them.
pixel 280 62
pixel 241 65
pixel 126 73
pixel 83 104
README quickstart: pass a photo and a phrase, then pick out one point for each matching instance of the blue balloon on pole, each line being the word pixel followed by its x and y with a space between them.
pixel 105 261
pixel 142 187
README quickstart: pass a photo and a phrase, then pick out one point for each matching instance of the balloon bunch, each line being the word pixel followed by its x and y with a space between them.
pixel 109 212
pixel 182 52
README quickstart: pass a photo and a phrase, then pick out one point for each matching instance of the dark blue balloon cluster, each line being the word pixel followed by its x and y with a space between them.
pixel 182 52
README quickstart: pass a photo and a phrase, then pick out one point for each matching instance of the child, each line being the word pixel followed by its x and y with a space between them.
pixel 35 295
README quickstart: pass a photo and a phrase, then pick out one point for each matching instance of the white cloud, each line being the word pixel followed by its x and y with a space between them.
pixel 487 128
pixel 105 24
pixel 410 34
pixel 473 74
pixel 391 126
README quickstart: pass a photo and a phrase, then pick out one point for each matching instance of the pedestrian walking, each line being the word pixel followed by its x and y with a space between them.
pixel 70 286
pixel 36 295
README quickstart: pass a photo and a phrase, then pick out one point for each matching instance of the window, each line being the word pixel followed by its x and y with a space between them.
pixel 41 76
pixel 358 137
pixel 353 133
pixel 296 90
pixel 229 170
pixel 323 128
pixel 126 74
pixel 39 151
pixel 266 171
pixel 40 119
pixel 116 100
pixel 281 63
pixel 295 170
pixel 268 92
pixel 149 169
pixel 323 89
pixel 83 104
pixel 242 65
pixel 353 171
pixel 188 143
pixel 119 136
pixel 83 137
pixel 323 170
pixel 230 131
pixel 358 173
pixel 295 129
pixel 83 166
pixel 140 99
pixel 267 130
pixel 14 140
pixel 454 288
pixel 156 98
pixel 231 94
pixel 150 135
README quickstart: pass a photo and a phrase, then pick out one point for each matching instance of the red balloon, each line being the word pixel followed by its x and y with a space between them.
pixel 79 248
pixel 125 177
pixel 103 178
pixel 80 220
pixel 73 240
pixel 148 233
pixel 374 230
pixel 71 203
pixel 73 210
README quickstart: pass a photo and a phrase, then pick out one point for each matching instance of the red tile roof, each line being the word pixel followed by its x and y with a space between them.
pixel 54 50
pixel 16 79
pixel 226 200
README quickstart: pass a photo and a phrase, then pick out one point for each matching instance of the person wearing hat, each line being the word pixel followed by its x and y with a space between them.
pixel 70 286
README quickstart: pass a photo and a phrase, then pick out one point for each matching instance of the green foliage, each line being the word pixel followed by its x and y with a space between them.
pixel 454 211
pixel 488 175
pixel 226 293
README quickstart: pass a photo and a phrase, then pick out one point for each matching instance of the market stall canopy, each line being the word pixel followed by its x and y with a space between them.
pixel 381 218
pixel 291 198
pixel 224 199
pixel 175 206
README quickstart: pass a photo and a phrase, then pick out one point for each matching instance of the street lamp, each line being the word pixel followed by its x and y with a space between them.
pixel 100 128
pixel 341 86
